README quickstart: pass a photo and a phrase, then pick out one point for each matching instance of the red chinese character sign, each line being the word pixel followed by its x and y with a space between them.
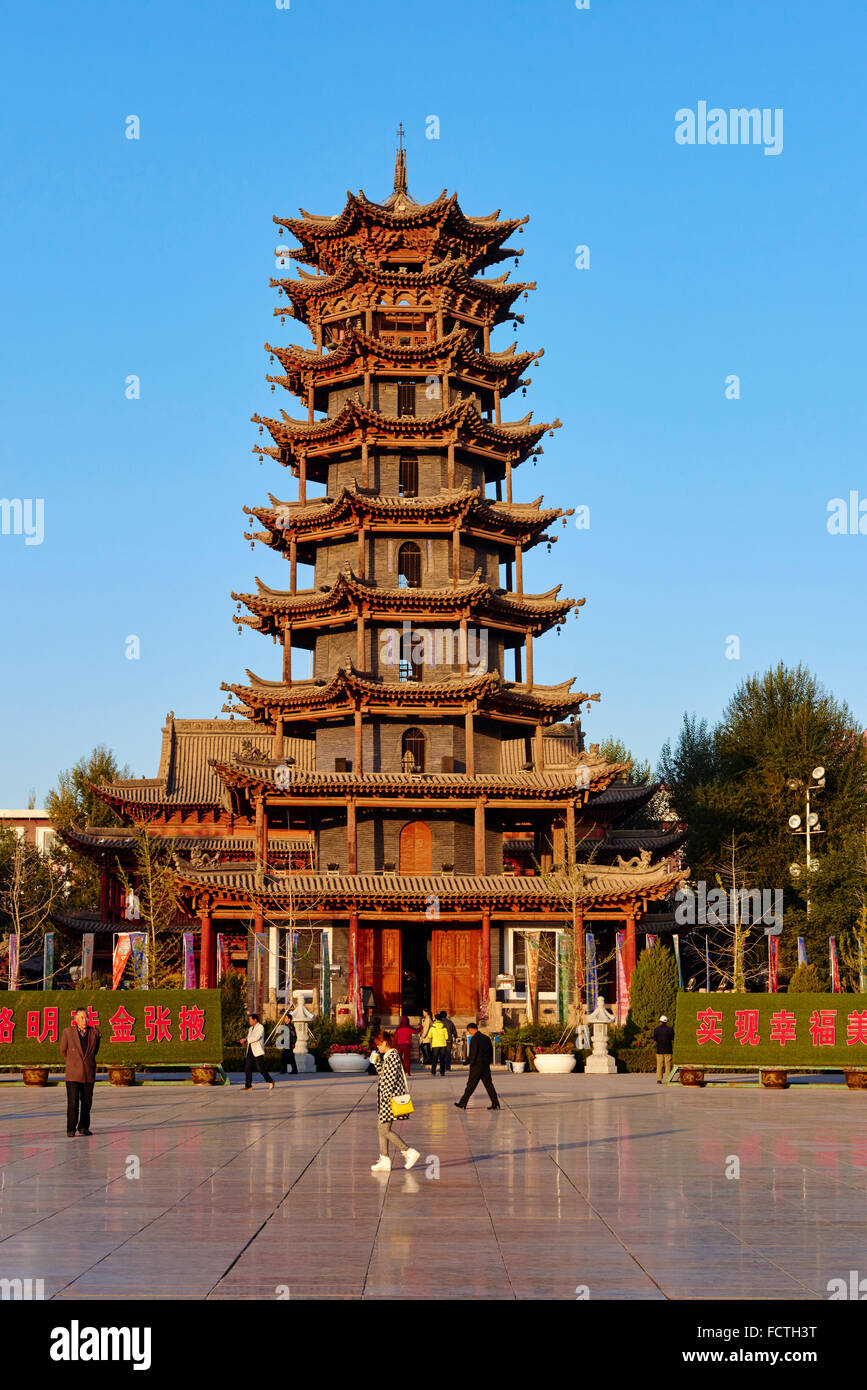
pixel 165 1027
pixel 747 1031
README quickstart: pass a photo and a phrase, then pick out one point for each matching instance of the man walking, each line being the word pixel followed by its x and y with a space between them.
pixel 255 1053
pixel 481 1055
pixel 79 1045
pixel 452 1031
pixel 663 1035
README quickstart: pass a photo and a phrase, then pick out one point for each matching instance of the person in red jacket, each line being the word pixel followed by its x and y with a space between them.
pixel 403 1040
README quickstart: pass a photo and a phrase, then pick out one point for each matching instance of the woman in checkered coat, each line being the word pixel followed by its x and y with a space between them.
pixel 392 1082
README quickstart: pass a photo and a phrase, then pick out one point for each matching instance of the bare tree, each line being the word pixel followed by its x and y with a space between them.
pixel 32 886
pixel 153 887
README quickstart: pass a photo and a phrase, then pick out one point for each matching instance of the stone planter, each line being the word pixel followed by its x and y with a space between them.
pixel 691 1076
pixel 517 1066
pixel 121 1076
pixel 856 1080
pixel 353 1063
pixel 555 1063
pixel 35 1076
pixel 774 1079
pixel 204 1076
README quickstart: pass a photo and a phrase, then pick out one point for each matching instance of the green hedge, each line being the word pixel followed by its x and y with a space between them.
pixel 234 1058
pixel 19 1050
pixel 634 1059
pixel 801 1052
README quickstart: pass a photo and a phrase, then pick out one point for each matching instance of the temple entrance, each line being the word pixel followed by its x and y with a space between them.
pixel 415 953
pixel 379 966
pixel 455 971
pixel 416 849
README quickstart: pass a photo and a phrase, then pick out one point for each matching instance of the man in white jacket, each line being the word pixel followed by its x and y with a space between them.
pixel 255 1053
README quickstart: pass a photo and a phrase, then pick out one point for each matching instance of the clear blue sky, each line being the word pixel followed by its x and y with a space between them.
pixel 152 257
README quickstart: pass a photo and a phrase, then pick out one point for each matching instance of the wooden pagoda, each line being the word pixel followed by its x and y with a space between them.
pixel 403 789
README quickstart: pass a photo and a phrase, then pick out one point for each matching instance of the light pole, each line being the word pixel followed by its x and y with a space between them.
pixel 810 823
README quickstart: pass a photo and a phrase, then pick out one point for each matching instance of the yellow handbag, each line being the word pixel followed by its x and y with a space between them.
pixel 401 1105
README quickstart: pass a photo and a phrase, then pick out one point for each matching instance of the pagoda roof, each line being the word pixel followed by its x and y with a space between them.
pixel 349 591
pixel 347 688
pixel 365 352
pixel 512 519
pixel 354 422
pixel 602 886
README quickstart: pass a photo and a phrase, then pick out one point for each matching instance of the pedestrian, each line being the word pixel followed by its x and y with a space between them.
pixel 438 1038
pixel 663 1035
pixel 424 1036
pixel 255 1053
pixel 481 1055
pixel 403 1035
pixel 453 1037
pixel 393 1087
pixel 79 1044
pixel 287 1056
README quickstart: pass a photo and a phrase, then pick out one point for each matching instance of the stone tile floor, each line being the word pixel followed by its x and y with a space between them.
pixel 612 1183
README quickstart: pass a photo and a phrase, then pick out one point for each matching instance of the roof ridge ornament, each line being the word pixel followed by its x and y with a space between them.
pixel 400 162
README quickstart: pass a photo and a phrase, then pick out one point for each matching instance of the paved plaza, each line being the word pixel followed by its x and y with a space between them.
pixel 612 1183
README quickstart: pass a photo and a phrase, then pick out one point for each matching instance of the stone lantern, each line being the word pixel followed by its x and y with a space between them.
pixel 599 1063
pixel 302 1018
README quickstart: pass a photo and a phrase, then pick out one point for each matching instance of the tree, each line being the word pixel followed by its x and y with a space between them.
pixel 73 804
pixel 805 980
pixel 614 750
pixel 654 988
pixel 31 888
pixel 154 886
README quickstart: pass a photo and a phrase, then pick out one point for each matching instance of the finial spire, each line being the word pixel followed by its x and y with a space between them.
pixel 400 162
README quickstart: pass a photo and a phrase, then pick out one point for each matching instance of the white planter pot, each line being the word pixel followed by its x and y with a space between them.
pixel 556 1063
pixel 517 1066
pixel 348 1062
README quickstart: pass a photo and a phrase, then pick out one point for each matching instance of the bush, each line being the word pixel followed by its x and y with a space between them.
pixel 233 1005
pixel 636 1059
pixel 235 1057
pixel 805 980
pixel 324 1033
pixel 654 988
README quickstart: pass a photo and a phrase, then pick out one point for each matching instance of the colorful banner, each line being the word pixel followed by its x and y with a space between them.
pixel 139 948
pixel 802 951
pixel 122 949
pixel 223 962
pixel 189 960
pixel 746 1031
pixel 48 960
pixel 325 1002
pixel 260 964
pixel 531 956
pixel 835 965
pixel 592 971
pixel 650 941
pixel 622 983
pixel 87 956
pixel 13 961
pixel 563 976
pixel 773 965
pixel 147 1028
pixel 675 940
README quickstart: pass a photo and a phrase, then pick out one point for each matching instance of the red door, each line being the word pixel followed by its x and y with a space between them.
pixel 379 966
pixel 454 971
pixel 415 848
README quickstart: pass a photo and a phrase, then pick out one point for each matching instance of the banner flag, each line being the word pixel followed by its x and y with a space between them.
pixel 802 951
pixel 189 960
pixel 139 949
pixel 676 942
pixel 650 941
pixel 13 961
pixel 260 945
pixel 773 965
pixel 622 983
pixel 325 1002
pixel 87 955
pixel 531 939
pixel 122 949
pixel 563 977
pixel 48 960
pixel 592 972
pixel 835 965
pixel 222 956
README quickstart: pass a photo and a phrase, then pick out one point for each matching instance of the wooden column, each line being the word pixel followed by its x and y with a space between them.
pixel 451 464
pixel 302 480
pixel 317 332
pixel 540 751
pixel 368 322
pixel 353 967
pixel 508 480
pixel 497 405
pixel 440 330
pixel 445 388
pixel 629 951
pixel 367 396
pixel 486 338
pixel 277 749
pixel 479 835
pixel 464 640
pixel 261 834
pixel 578 948
pixel 365 464
pixel 310 404
pixel 287 654
pixel 359 642
pixel 485 963
pixel 519 568
pixel 206 951
pixel 293 565
pixel 509 589
pixel 362 536
pixel 256 991
pixel 518 675
pixel 456 556
pixel 357 767
pixel 351 836
pixel 469 744
pixel 570 833
pixel 528 645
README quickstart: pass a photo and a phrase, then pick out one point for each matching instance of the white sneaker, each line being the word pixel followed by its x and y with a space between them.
pixel 412 1157
pixel 383 1166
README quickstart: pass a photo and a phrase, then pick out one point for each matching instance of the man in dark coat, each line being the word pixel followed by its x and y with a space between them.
pixel 79 1045
pixel 480 1057
pixel 663 1036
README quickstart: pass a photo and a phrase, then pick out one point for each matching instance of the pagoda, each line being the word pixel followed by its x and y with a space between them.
pixel 401 789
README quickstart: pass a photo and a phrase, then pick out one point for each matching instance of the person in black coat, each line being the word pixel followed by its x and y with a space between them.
pixel 480 1057
pixel 663 1036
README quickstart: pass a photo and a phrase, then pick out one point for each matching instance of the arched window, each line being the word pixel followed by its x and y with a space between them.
pixel 412 743
pixel 409 566
pixel 408 478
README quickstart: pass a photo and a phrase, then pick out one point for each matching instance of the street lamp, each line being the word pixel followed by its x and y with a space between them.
pixel 809 825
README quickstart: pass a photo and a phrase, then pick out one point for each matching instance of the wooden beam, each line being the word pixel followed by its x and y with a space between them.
pixel 206 949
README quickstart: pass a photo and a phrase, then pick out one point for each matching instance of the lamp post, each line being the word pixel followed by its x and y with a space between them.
pixel 809 826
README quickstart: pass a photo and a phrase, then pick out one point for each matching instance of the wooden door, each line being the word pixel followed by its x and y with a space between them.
pixel 379 966
pixel 454 971
pixel 416 848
